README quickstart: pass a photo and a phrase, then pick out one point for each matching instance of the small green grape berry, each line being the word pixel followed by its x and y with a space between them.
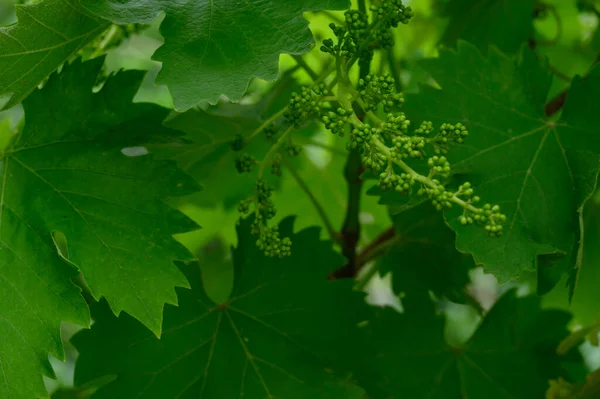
pixel 263 191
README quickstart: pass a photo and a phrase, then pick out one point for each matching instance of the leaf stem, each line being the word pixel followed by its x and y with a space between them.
pixel 559 74
pixel 273 151
pixel 320 210
pixel 311 72
pixel 373 269
pixel 394 70
pixel 282 111
pixel 263 164
pixel 267 123
pixel 108 38
pixel 378 247
pixel 375 246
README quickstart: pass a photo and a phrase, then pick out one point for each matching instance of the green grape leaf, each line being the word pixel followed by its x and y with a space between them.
pixel 68 172
pixel 584 303
pixel 36 294
pixel 512 354
pixel 506 24
pixel 281 334
pixel 540 171
pixel 214 48
pixel 46 35
pixel 424 256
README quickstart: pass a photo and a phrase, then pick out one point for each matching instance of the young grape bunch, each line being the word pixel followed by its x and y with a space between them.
pixel 388 144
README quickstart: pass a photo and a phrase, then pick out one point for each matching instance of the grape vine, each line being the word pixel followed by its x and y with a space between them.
pixel 387 145
pixel 293 199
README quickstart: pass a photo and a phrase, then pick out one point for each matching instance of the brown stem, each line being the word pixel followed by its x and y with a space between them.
pixel 557 103
pixel 311 72
pixel 559 74
pixel 374 246
pixel 350 233
pixel 373 250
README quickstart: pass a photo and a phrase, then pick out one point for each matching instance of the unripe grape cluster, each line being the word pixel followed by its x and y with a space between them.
pixel 270 133
pixel 272 244
pixel 357 24
pixel 388 146
pixel 390 180
pixel 238 143
pixel 440 197
pixel 449 136
pixel 358 38
pixel 292 149
pixel 305 104
pixel 349 37
pixel 438 166
pixel 408 147
pixel 276 165
pixel 389 14
pixel 360 138
pixel 268 240
pixel 244 163
pixel 336 121
pixel 345 45
pixel 310 102
pixel 380 89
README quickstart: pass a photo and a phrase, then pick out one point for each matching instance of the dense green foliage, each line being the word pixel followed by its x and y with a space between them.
pixel 205 199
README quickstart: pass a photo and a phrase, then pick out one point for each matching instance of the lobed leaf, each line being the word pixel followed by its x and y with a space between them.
pixel 69 192
pixel 73 164
pixel 277 335
pixel 511 355
pixel 46 35
pixel 424 256
pixel 215 48
pixel 540 171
